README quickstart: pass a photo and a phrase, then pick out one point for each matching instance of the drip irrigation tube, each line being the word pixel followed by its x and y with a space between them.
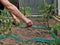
pixel 56 39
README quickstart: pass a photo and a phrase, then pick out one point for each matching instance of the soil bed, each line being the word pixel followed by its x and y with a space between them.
pixel 28 33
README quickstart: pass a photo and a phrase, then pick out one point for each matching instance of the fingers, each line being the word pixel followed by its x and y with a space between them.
pixel 29 24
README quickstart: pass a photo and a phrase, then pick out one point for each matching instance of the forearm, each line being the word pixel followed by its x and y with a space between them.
pixel 14 17
pixel 13 9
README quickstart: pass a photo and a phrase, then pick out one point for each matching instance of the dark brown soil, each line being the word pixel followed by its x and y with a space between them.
pixel 28 33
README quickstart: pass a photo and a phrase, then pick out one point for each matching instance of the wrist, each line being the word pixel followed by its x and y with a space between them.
pixel 24 19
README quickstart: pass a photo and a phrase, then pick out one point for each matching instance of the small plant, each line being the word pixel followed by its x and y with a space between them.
pixel 26 9
pixel 54 43
pixel 47 9
pixel 5 22
pixel 21 9
pixel 56 27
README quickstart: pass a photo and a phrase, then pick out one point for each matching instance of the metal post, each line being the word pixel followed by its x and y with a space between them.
pixel 18 4
pixel 57 6
pixel 46 18
pixel 24 8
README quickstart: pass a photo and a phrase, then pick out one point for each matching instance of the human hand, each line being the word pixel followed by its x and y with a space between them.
pixel 28 22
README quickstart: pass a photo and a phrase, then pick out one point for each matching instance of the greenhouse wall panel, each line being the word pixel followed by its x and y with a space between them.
pixel 58 7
